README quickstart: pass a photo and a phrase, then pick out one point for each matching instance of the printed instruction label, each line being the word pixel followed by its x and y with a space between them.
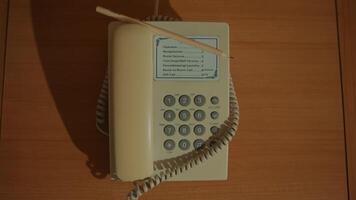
pixel 176 60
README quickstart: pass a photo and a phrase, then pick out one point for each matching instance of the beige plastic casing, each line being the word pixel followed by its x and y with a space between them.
pixel 136 101
pixel 130 102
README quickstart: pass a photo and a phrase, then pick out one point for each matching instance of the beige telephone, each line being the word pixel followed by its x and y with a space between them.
pixel 172 106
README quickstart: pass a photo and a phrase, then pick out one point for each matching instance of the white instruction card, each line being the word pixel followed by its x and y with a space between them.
pixel 175 60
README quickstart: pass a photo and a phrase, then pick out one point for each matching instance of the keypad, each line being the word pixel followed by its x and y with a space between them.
pixel 184 100
pixel 214 130
pixel 191 116
pixel 199 129
pixel 169 100
pixel 169 130
pixel 199 100
pixel 169 144
pixel 184 115
pixel 184 130
pixel 199 115
pixel 214 115
pixel 184 144
pixel 198 143
pixel 169 115
pixel 214 100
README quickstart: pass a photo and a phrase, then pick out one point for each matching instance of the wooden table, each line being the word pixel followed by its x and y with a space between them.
pixel 286 67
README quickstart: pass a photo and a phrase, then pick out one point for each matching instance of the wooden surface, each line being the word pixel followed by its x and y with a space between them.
pixel 286 68
pixel 347 33
pixel 3 30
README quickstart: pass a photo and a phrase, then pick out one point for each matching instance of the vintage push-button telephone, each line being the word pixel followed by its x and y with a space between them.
pixel 172 106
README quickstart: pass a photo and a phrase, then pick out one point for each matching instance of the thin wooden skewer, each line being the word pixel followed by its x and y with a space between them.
pixel 155 13
pixel 161 31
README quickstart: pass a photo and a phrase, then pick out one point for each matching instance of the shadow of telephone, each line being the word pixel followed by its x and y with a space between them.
pixel 169 108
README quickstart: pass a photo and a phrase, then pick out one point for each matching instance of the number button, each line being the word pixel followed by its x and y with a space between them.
pixel 169 115
pixel 199 100
pixel 184 115
pixel 199 115
pixel 198 143
pixel 169 130
pixel 199 129
pixel 184 144
pixel 184 100
pixel 184 130
pixel 169 100
pixel 214 115
pixel 169 145
pixel 214 100
pixel 214 130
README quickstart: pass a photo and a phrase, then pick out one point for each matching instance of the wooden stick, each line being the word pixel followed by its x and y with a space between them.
pixel 155 13
pixel 161 31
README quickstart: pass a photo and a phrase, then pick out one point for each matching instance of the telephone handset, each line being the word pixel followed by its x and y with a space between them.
pixel 172 106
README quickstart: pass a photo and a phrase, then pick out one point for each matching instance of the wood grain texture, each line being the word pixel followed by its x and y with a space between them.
pixel 3 30
pixel 291 142
pixel 347 33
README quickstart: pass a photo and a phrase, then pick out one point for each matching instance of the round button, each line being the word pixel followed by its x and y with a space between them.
pixel 169 130
pixel 198 143
pixel 184 130
pixel 199 115
pixel 184 144
pixel 184 100
pixel 199 100
pixel 214 115
pixel 214 100
pixel 214 130
pixel 169 145
pixel 169 115
pixel 169 100
pixel 199 129
pixel 184 115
